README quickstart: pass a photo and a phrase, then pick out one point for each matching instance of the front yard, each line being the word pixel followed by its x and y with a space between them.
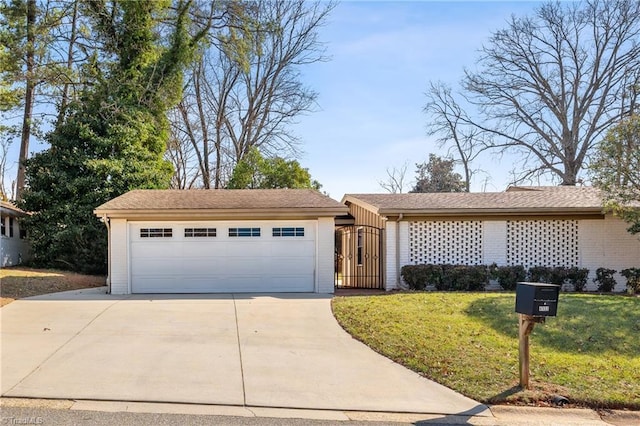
pixel 19 282
pixel 589 353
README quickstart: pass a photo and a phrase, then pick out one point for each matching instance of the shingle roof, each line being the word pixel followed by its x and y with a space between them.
pixel 222 200
pixel 11 209
pixel 524 199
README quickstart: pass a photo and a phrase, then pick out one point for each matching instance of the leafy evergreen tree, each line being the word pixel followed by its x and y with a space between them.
pixel 616 171
pixel 257 172
pixel 437 175
pixel 113 138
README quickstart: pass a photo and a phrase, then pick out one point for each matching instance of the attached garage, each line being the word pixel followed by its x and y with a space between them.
pixel 222 256
pixel 221 241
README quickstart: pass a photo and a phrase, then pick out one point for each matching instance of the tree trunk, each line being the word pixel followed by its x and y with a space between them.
pixel 29 94
pixel 72 41
pixel 570 173
pixel 204 166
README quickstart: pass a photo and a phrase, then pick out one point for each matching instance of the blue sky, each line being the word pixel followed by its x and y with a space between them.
pixel 371 92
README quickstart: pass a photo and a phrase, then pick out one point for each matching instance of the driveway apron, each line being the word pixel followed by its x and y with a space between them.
pixel 279 350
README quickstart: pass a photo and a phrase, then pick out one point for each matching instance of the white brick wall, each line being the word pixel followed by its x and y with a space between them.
pixel 495 242
pixel 601 243
pixel 404 248
pixel 391 272
pixel 119 257
pixel 606 243
pixel 325 255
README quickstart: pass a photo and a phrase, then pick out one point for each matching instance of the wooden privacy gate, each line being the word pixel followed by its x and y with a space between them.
pixel 359 257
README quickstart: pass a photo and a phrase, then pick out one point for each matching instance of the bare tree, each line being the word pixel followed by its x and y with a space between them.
pixel 68 83
pixel 231 105
pixel 549 86
pixel 4 151
pixel 452 126
pixel 199 122
pixel 43 47
pixel 395 181
pixel 181 153
pixel 271 95
pixel 29 93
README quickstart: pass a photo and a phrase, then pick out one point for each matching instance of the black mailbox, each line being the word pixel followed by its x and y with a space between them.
pixel 537 299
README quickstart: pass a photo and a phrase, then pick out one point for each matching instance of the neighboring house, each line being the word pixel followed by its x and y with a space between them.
pixel 208 241
pixel 14 246
pixel 529 226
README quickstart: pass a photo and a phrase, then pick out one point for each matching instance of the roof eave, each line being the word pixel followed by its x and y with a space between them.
pixel 361 203
pixel 212 214
pixel 13 212
pixel 490 212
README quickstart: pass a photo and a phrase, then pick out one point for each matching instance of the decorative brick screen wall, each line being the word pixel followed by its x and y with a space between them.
pixel 542 243
pixel 446 242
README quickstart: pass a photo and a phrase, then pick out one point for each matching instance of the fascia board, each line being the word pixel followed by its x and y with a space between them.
pixel 219 214
pixel 359 202
pixel 489 212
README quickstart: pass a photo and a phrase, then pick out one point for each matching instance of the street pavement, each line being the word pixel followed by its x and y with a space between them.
pixel 35 411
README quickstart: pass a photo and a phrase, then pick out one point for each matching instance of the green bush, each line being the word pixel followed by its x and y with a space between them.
pixel 538 274
pixel 508 276
pixel 418 277
pixel 546 274
pixel 557 275
pixel 464 278
pixel 414 276
pixel 604 279
pixel 577 277
pixel 443 283
pixel 475 278
pixel 633 279
pixel 445 277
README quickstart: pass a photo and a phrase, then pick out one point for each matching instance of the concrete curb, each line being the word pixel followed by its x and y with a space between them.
pixel 501 415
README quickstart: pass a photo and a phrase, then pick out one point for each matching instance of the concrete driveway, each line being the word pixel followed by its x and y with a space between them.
pixel 282 350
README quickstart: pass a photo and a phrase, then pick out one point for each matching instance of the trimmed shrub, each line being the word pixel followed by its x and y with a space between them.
pixel 577 277
pixel 465 278
pixel 444 283
pixel 546 274
pixel 418 277
pixel 508 276
pixel 557 275
pixel 415 276
pixel 633 279
pixel 538 274
pixel 445 277
pixel 604 279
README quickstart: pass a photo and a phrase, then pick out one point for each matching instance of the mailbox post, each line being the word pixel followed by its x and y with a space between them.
pixel 534 302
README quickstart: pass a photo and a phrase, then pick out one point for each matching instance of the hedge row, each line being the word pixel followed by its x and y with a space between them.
pixel 475 278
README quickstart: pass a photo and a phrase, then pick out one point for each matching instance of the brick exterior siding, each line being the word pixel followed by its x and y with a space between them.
pixel 601 243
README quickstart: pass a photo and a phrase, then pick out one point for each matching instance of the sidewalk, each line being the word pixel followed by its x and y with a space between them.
pixel 502 415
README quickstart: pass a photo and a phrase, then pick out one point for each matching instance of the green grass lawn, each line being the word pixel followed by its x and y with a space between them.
pixel 589 353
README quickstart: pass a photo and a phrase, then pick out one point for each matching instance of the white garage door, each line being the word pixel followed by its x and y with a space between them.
pixel 216 257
